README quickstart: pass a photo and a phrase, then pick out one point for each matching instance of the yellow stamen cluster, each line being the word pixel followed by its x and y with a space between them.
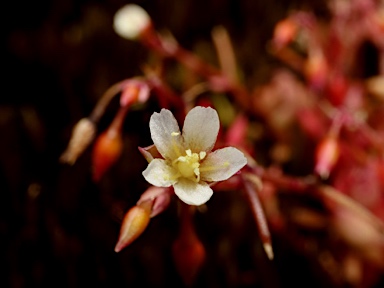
pixel 188 165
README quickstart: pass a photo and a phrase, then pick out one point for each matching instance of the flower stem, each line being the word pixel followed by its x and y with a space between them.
pixel 258 213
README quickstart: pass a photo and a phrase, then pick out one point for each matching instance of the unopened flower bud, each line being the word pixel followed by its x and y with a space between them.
pixel 188 251
pixel 337 89
pixel 369 239
pixel 134 91
pixel 375 86
pixel 316 69
pixel 379 18
pixel 134 223
pixel 189 256
pixel 284 33
pixel 106 151
pixel 327 153
pixel 130 21
pixel 161 197
pixel 82 135
pixel 237 132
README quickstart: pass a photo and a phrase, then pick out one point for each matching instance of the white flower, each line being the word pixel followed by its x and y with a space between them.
pixel 130 21
pixel 188 162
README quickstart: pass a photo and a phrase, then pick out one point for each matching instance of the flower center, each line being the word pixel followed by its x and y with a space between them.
pixel 188 165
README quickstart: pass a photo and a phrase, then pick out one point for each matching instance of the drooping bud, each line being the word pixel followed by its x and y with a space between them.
pixel 284 33
pixel 131 21
pixel 327 153
pixel 161 197
pixel 375 86
pixel 188 251
pixel 337 89
pixel 316 69
pixel 108 146
pixel 237 132
pixel 378 18
pixel 106 151
pixel 82 135
pixel 368 241
pixel 134 223
pixel 134 91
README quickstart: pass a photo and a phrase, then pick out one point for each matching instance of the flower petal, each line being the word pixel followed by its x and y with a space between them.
pixel 200 130
pixel 222 164
pixel 160 174
pixel 193 193
pixel 165 133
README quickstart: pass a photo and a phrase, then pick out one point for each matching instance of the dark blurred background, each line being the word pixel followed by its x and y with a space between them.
pixel 58 228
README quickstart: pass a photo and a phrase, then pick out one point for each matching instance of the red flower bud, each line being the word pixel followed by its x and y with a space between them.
pixel 106 151
pixel 161 197
pixel 327 153
pixel 134 91
pixel 316 69
pixel 237 132
pixel 108 146
pixel 337 89
pixel 284 33
pixel 189 255
pixel 188 251
pixel 134 223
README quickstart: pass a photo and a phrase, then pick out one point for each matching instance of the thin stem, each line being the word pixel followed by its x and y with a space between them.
pixel 225 53
pixel 118 121
pixel 283 181
pixel 258 214
pixel 102 104
pixel 187 230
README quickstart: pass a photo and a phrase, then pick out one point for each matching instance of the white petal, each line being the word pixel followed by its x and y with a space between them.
pixel 193 193
pixel 160 174
pixel 165 133
pixel 200 130
pixel 222 164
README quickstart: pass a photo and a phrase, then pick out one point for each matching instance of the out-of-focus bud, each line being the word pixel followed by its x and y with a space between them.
pixel 327 153
pixel 106 151
pixel 379 18
pixel 189 256
pixel 188 251
pixel 368 241
pixel 284 33
pixel 312 122
pixel 82 135
pixel 375 86
pixel 308 219
pixel 161 197
pixel 316 69
pixel 134 223
pixel 237 132
pixel 134 91
pixel 131 21
pixel 353 269
pixel 337 89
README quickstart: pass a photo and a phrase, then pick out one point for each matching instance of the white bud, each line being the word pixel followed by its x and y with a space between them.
pixel 130 21
pixel 82 135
